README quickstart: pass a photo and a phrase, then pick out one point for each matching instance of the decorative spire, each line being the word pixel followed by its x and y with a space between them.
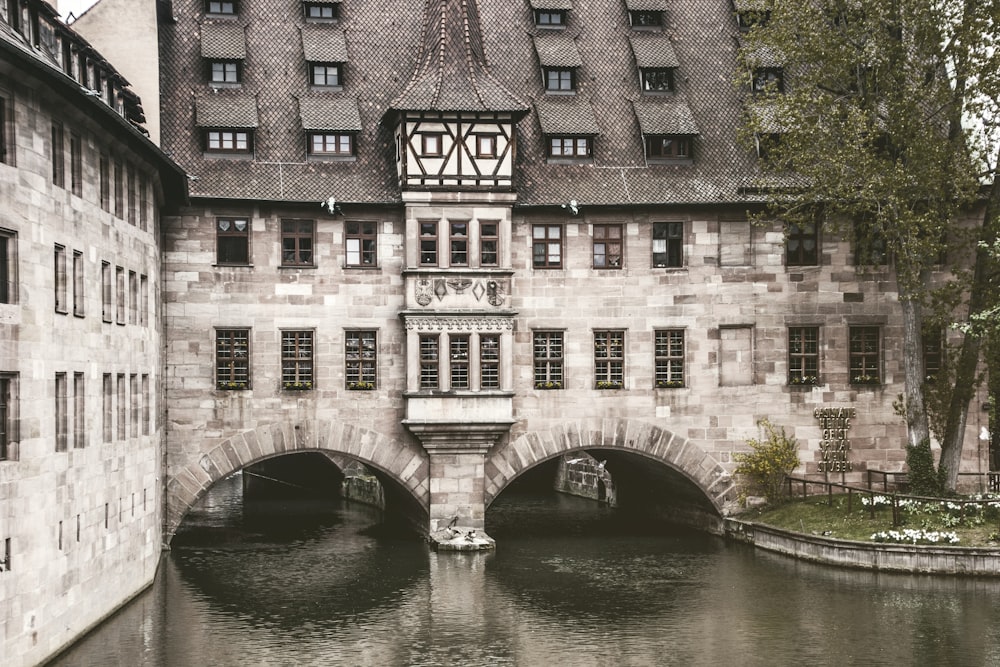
pixel 451 73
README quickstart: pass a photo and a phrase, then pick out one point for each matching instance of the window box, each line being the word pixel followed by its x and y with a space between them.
pixel 548 385
pixel 807 380
pixel 866 379
pixel 669 384
pixel 232 386
pixel 609 384
pixel 361 386
pixel 297 386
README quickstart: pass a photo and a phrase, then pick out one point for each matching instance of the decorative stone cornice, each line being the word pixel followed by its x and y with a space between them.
pixel 442 323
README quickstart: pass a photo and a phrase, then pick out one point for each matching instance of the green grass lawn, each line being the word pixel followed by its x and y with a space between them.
pixel 814 516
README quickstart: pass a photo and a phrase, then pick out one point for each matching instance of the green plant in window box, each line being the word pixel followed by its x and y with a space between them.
pixel 549 384
pixel 865 379
pixel 803 380
pixel 669 384
pixel 361 386
pixel 229 385
pixel 298 386
pixel 609 384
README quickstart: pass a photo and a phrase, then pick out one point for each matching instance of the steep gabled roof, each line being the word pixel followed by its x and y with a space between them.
pixel 451 73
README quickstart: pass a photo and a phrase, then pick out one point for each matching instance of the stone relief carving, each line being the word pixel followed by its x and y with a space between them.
pixel 426 289
pixel 431 323
pixel 423 292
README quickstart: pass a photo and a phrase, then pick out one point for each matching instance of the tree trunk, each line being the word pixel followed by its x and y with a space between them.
pixel 917 429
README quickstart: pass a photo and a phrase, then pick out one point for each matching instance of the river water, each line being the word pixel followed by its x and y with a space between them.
pixel 571 583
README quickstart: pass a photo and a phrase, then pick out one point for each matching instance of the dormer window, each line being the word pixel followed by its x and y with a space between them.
pixel 548 18
pixel 321 11
pixel 225 71
pixel 657 80
pixel 646 19
pixel 570 147
pixel 560 80
pixel 331 144
pixel 222 8
pixel 668 147
pixel 223 140
pixel 768 79
pixel 327 75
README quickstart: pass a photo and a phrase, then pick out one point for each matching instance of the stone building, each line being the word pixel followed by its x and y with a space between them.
pixel 81 336
pixel 451 240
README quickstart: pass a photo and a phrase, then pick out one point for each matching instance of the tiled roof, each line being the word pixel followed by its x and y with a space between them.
pixel 558 5
pixel 665 118
pixel 653 51
pixel 323 2
pixel 557 50
pixel 752 5
pixel 334 115
pixel 764 116
pixel 223 41
pixel 762 55
pixel 569 116
pixel 647 5
pixel 401 59
pixel 226 111
pixel 320 44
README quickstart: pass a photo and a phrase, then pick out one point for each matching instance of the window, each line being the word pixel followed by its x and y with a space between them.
pixel 431 145
pixel 319 11
pixel 322 143
pixel 232 240
pixel 546 246
pixel 130 178
pixel 768 79
pixel 7 143
pixel 669 358
pixel 58 156
pixel 8 266
pixel 360 359
pixel 803 355
pixel 8 416
pixel 120 383
pixel 489 243
pixel 657 80
pixel 62 423
pixel 221 7
pixel 486 145
pixel 143 300
pixel 133 298
pixel 107 391
pixel 609 359
pixel 646 19
pixel 76 164
pixel 79 411
pixel 489 361
pixel 297 359
pixel 360 239
pixel 667 147
pixel 105 182
pixel 668 244
pixel 228 141
pixel 107 305
pixel 458 240
pixel 933 340
pixel 864 348
pixel 570 147
pixel 59 279
pixel 802 244
pixel 607 246
pixel 548 18
pixel 119 190
pixel 297 243
pixel 428 243
pixel 145 405
pixel 562 80
pixel 232 358
pixel 324 74
pixel 547 353
pixel 133 389
pixel 225 71
pixel 78 284
pixel 429 361
pixel 120 295
pixel 459 359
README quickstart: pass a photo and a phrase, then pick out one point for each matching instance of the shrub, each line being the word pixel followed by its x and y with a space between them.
pixel 765 467
pixel 924 479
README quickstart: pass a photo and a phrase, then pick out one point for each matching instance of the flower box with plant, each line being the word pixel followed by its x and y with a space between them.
pixel 865 379
pixel 609 384
pixel 807 380
pixel 361 385
pixel 297 385
pixel 231 385
pixel 669 384
pixel 548 384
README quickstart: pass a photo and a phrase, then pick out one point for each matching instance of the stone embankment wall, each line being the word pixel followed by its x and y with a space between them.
pixel 580 474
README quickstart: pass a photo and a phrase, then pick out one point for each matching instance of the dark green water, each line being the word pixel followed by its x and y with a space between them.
pixel 571 583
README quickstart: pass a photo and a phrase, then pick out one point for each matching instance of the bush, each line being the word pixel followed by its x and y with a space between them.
pixel 764 469
pixel 924 479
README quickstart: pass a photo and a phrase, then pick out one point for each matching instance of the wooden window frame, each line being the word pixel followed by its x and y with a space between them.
pixel 608 246
pixel 543 243
pixel 803 355
pixel 560 79
pixel 428 249
pixel 548 351
pixel 458 243
pixel 232 245
pixel 236 141
pixel 550 18
pixel 609 359
pixel 668 245
pixel 319 7
pixel 232 358
pixel 337 144
pixel 668 358
pixel 569 147
pixel 361 243
pixel 802 244
pixel 668 147
pixel 361 359
pixel 298 359
pixel 324 70
pixel 8 266
pixel 657 79
pixel 489 243
pixel 298 243
pixel 865 355
pixel 429 352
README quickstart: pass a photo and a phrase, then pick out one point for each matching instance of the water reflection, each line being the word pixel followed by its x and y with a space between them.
pixel 572 583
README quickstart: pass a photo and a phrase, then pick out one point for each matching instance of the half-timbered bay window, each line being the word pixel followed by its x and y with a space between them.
pixel 429 374
pixel 360 360
pixel 297 359
pixel 546 246
pixel 232 241
pixel 361 243
pixel 803 355
pixel 232 358
pixel 802 244
pixel 297 242
pixel 668 244
pixel 609 359
pixel 323 10
pixel 864 348
pixel 323 143
pixel 547 355
pixel 608 246
pixel 669 358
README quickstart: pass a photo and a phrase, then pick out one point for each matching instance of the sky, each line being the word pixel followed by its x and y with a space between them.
pixel 76 6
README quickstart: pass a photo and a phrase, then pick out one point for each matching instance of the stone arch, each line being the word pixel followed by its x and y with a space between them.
pixel 519 454
pixel 404 463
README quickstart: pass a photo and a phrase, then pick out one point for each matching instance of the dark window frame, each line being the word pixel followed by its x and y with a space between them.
pixel 560 79
pixel 569 147
pixel 802 244
pixel 609 358
pixel 548 351
pixel 326 71
pixel 668 358
pixel 767 79
pixel 550 18
pixel 668 147
pixel 608 246
pixel 671 234
pixel 542 244
pixel 645 19
pixel 458 243
pixel 58 155
pixel 8 266
pixel 234 137
pixel 298 359
pixel 8 416
pixel 431 144
pixel 428 235
pixel 489 243
pixel 225 71
pixel 232 358
pixel 330 144
pixel 657 79
pixel 363 234
pixel 232 245
pixel 222 7
pixel 803 355
pixel 865 355
pixel 313 11
pixel 361 359
pixel 76 164
pixel 298 243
